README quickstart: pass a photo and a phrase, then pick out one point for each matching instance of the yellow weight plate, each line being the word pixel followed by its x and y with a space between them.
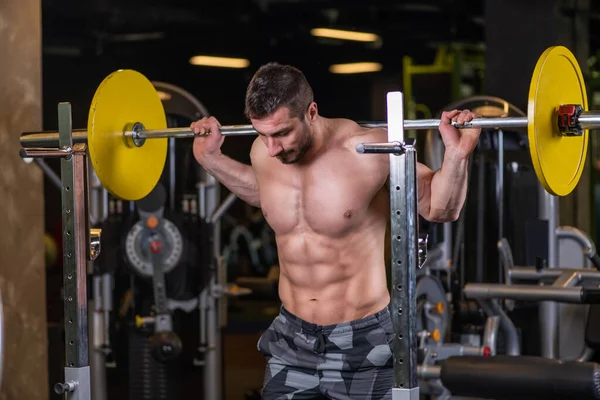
pixel 122 99
pixel 558 160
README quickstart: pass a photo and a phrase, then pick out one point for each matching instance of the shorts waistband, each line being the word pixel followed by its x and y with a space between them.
pixel 370 320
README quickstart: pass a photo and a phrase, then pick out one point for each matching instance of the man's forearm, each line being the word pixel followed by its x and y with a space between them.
pixel 234 175
pixel 449 188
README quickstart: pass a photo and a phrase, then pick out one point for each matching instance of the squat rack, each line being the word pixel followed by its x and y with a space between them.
pixel 408 250
pixel 81 245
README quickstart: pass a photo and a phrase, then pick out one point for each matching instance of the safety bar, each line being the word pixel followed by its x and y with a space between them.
pixel 574 295
pixel 532 274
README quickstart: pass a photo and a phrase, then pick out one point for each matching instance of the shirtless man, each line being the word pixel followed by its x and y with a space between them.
pixel 328 206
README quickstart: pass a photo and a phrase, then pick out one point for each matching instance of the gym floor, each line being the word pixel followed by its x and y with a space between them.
pixel 244 372
pixel 242 365
pixel 245 366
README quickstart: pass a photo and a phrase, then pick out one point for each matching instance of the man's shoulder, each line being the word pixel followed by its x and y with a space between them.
pixel 375 167
pixel 352 132
pixel 258 151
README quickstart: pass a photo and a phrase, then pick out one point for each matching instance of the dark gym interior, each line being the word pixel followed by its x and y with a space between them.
pixel 223 285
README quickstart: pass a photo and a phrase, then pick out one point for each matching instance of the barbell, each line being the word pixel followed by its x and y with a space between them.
pixel 126 112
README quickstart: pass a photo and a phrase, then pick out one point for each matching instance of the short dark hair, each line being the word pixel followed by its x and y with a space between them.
pixel 275 85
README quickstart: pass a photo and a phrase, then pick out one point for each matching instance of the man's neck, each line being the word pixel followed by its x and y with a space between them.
pixel 321 135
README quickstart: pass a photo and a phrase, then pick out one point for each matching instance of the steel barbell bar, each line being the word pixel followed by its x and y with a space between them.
pixel 49 139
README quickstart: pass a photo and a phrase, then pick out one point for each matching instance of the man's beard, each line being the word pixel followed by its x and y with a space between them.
pixel 296 155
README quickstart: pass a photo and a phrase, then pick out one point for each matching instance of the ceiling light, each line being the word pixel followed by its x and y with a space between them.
pixel 225 62
pixel 345 35
pixel 355 68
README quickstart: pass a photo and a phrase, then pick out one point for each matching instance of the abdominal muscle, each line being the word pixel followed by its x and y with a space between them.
pixel 326 280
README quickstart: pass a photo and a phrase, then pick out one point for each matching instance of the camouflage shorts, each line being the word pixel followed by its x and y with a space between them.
pixel 351 360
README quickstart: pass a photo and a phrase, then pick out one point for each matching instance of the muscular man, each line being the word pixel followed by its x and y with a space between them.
pixel 328 207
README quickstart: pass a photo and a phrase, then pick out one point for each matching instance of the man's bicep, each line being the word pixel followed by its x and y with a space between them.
pixel 424 178
pixel 424 173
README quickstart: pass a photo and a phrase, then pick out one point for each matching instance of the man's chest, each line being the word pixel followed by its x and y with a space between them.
pixel 328 197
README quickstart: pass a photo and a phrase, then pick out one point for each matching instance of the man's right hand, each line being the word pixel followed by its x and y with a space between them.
pixel 207 145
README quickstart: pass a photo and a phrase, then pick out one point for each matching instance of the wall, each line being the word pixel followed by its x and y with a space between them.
pixel 22 267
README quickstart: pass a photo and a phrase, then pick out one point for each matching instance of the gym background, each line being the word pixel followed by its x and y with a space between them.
pixel 437 51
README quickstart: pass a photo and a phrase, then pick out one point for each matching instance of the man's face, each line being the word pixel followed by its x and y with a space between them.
pixel 285 136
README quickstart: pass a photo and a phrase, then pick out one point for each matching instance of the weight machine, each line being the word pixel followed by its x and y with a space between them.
pixel 87 335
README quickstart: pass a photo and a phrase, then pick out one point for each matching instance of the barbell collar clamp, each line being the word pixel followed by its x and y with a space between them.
pixel 132 135
pixel 568 120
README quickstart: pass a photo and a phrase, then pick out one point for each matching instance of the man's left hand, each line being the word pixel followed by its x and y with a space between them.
pixel 461 142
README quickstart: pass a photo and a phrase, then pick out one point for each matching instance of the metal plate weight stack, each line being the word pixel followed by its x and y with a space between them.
pixel 153 247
